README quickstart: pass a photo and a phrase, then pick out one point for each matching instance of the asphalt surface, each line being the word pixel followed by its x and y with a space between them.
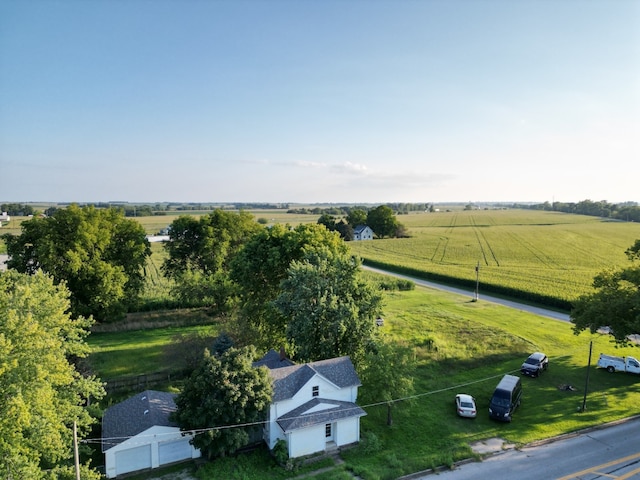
pixel 485 298
pixel 606 452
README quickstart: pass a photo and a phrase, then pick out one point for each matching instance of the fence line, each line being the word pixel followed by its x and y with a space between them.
pixel 141 382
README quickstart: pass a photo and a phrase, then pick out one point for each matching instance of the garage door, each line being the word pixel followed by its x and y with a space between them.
pixel 133 459
pixel 169 452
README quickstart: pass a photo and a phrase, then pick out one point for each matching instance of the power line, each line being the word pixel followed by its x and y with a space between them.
pixel 264 422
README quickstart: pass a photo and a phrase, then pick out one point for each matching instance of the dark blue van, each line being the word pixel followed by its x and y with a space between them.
pixel 506 398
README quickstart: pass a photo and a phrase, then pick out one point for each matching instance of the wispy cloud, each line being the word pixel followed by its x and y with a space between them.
pixel 350 168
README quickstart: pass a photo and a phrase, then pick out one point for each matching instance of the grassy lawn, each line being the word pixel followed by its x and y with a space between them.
pixel 129 353
pixel 466 347
pixel 461 347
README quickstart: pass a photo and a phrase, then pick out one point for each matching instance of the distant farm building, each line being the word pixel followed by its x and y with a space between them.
pixel 362 232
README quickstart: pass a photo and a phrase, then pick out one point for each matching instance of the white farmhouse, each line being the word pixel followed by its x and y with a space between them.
pixel 313 406
pixel 362 232
pixel 137 434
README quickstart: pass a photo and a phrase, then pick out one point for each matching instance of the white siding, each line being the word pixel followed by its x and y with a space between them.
pixel 148 449
pixel 306 441
pixel 174 451
pixel 347 431
pixel 132 459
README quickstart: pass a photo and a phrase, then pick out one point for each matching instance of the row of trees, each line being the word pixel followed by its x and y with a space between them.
pixel 17 209
pixel 628 211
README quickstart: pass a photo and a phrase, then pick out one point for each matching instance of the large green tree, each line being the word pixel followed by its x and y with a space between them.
pixel 387 375
pixel 330 309
pixel 262 264
pixel 207 244
pixel 41 392
pixel 199 253
pixel 223 392
pixel 382 220
pixel 98 253
pixel 357 216
pixel 615 303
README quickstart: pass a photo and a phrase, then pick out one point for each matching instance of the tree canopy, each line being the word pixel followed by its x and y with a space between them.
pixel 223 391
pixel 382 221
pixel 330 309
pixel 41 392
pixel 615 303
pixel 262 264
pixel 98 254
pixel 357 216
pixel 387 374
pixel 207 244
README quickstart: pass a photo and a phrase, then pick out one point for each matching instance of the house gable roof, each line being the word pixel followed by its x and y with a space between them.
pixel 359 229
pixel 287 381
pixel 135 415
pixel 306 415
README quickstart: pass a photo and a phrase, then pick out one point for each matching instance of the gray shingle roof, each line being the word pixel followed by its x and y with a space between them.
pixel 297 418
pixel 273 359
pixel 135 415
pixel 287 381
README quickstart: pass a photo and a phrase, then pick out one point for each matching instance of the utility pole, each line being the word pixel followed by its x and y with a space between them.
pixel 586 383
pixel 76 455
pixel 475 298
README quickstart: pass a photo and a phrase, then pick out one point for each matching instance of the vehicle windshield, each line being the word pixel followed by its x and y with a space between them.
pixel 466 404
pixel 531 361
pixel 500 402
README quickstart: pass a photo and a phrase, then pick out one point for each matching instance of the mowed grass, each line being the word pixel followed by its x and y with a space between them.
pixel 549 254
pixel 137 352
pixel 461 347
pixel 466 347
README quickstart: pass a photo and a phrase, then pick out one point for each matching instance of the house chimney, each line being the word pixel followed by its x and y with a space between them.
pixel 283 355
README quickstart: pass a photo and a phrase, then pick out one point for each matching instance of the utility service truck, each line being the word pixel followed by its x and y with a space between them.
pixel 619 364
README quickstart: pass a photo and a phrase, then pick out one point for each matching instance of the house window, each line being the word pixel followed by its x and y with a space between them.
pixel 327 430
pixel 315 391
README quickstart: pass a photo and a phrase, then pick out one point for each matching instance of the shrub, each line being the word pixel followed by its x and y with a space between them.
pixel 281 452
pixel 370 443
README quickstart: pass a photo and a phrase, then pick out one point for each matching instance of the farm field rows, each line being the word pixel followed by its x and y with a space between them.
pixel 553 256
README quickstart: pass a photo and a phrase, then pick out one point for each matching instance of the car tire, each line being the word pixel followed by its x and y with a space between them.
pixel 611 369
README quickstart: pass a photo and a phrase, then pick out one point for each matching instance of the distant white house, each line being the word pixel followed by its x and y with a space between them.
pixel 362 232
pixel 158 238
pixel 313 406
pixel 137 434
pixel 4 217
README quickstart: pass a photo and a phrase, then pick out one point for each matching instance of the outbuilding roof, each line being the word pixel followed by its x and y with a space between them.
pixel 135 415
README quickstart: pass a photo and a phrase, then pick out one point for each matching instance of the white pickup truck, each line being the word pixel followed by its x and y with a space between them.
pixel 618 364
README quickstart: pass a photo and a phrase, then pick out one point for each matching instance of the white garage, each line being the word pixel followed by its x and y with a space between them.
pixel 132 459
pixel 138 435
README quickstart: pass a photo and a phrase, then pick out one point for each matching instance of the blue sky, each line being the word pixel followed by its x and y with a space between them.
pixel 313 101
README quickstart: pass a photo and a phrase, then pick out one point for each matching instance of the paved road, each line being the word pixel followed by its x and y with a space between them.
pixel 486 298
pixel 605 453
